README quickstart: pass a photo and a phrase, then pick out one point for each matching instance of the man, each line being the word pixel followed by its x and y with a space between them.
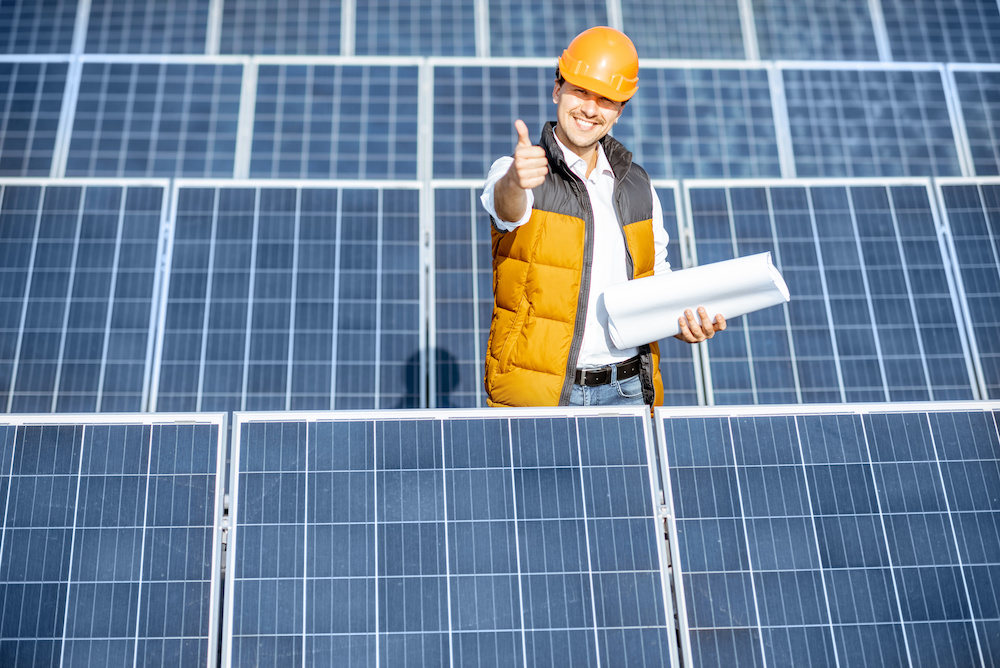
pixel 572 216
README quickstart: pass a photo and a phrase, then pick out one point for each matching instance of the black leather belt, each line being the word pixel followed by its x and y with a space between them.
pixel 602 375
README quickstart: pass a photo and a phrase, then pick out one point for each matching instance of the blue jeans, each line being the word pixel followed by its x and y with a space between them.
pixel 625 393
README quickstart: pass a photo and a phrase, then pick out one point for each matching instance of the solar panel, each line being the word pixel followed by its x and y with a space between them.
pixel 474 112
pixel 41 26
pixel 31 95
pixel 525 28
pixel 426 28
pixel 304 27
pixel 702 122
pixel 943 30
pixel 979 95
pixel 973 212
pixel 835 538
pixel 684 29
pixel 291 297
pixel 448 538
pixel 155 119
pixel 794 30
pixel 136 26
pixel 463 302
pixel 873 314
pixel 336 121
pixel 870 122
pixel 78 279
pixel 110 548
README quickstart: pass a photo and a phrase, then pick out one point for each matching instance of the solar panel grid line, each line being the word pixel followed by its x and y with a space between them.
pixel 974 88
pixel 962 132
pixel 827 307
pixel 112 289
pixel 213 27
pixel 586 538
pixel 969 228
pixel 66 308
pixel 748 27
pixel 251 294
pixel 782 129
pixel 797 384
pixel 954 537
pixel 245 121
pixel 906 272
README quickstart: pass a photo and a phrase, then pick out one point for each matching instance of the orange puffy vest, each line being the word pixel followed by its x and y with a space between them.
pixel 541 281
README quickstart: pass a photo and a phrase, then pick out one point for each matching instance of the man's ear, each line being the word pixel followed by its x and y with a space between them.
pixel 555 92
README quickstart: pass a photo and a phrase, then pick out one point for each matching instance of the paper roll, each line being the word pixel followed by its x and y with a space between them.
pixel 647 309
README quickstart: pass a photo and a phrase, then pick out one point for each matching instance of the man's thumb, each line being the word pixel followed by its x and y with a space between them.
pixel 522 133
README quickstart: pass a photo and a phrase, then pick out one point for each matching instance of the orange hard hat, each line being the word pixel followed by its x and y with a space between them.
pixel 602 60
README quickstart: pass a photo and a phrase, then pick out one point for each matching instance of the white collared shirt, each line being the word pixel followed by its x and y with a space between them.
pixel 609 263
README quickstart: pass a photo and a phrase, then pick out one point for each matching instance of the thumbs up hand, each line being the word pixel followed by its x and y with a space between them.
pixel 530 164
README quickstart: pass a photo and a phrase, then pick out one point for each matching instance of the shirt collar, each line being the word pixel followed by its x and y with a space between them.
pixel 578 166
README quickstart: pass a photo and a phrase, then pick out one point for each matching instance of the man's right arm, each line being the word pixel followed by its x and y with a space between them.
pixel 508 198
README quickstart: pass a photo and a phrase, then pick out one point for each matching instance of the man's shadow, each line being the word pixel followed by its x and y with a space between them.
pixel 448 376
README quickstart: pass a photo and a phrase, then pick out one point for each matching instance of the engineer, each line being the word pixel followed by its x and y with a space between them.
pixel 573 215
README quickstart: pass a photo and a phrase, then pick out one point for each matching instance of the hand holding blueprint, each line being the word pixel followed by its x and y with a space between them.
pixel 647 309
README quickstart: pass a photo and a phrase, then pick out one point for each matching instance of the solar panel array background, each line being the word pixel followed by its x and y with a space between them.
pixel 109 554
pixel 78 287
pixel 457 539
pixel 874 314
pixel 291 297
pixel 864 539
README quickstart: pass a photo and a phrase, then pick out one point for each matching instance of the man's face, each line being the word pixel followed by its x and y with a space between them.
pixel 583 116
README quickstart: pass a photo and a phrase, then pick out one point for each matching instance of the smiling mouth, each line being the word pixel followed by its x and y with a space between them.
pixel 584 124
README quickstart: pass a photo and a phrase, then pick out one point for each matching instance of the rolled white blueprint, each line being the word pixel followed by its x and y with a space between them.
pixel 647 309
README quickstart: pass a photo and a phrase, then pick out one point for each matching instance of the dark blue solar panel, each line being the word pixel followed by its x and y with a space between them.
pixel 109 550
pixel 474 113
pixel 831 539
pixel 137 26
pixel 463 303
pixel 155 119
pixel 303 27
pixel 37 26
pixel 797 30
pixel 870 123
pixel 943 30
pixel 452 539
pixel 407 28
pixel 289 298
pixel 543 29
pixel 973 212
pixel 979 95
pixel 336 121
pixel 684 29
pixel 77 282
pixel 872 315
pixel 702 123
pixel 31 97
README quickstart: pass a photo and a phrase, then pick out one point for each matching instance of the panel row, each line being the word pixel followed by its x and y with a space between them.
pixel 288 295
pixel 466 539
pixel 505 537
pixel 110 551
pixel 342 120
pixel 826 538
pixel 931 30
